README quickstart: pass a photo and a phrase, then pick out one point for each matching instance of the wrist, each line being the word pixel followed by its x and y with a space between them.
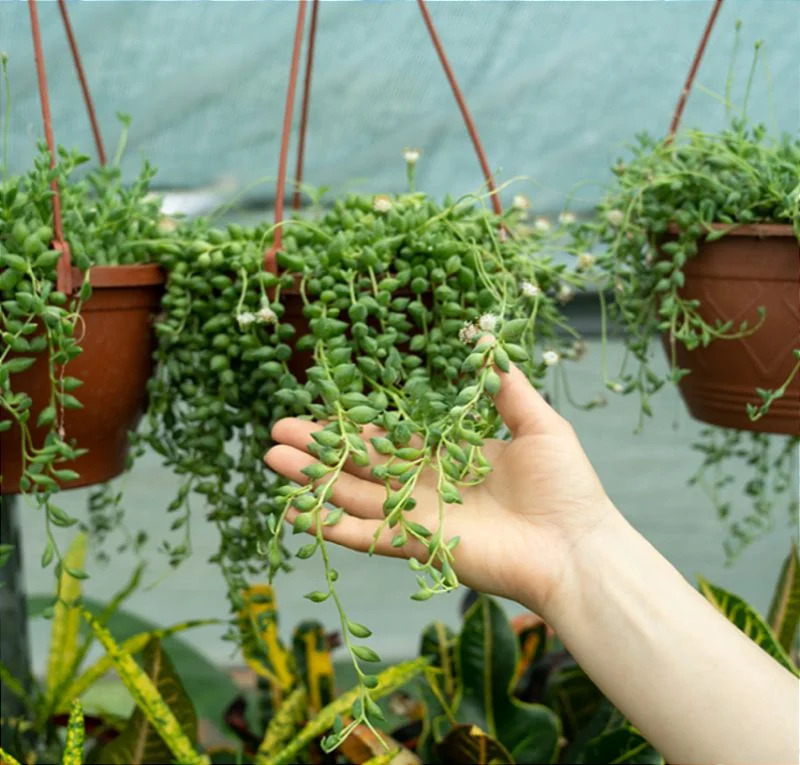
pixel 578 551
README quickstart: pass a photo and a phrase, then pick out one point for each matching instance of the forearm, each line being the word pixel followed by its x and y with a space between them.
pixel 695 686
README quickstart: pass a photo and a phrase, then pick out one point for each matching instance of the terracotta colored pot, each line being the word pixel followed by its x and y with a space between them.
pixel 750 266
pixel 115 364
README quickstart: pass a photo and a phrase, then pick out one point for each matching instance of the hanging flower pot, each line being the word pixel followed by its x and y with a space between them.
pixel 116 343
pixel 78 297
pixel 733 278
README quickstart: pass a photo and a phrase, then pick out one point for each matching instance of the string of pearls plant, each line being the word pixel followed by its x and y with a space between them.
pixel 374 320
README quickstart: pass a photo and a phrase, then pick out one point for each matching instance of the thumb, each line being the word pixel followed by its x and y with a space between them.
pixel 521 406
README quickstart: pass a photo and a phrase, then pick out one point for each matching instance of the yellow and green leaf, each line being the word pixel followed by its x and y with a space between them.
pixel 65 631
pixel 147 697
pixel 263 650
pixel 747 619
pixel 131 646
pixel 73 749
pixel 784 612
pixel 389 680
pixel 139 743
pixel 7 759
pixel 314 663
pixel 283 723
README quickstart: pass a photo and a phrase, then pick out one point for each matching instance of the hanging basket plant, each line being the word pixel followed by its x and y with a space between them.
pixel 386 317
pixel 699 239
pixel 78 292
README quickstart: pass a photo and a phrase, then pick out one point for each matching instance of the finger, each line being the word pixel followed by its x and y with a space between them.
pixel 359 497
pixel 521 406
pixel 359 534
pixel 297 433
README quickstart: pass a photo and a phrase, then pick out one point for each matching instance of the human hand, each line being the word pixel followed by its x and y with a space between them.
pixel 517 529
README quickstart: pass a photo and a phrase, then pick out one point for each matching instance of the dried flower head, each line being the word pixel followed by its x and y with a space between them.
pixel 550 358
pixel 542 224
pixel 585 261
pixel 382 203
pixel 245 319
pixel 529 289
pixel 266 315
pixel 566 218
pixel 615 217
pixel 468 333
pixel 565 292
pixel 488 322
pixel 520 202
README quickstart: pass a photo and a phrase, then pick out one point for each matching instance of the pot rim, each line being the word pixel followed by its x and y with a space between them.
pixel 759 230
pixel 109 277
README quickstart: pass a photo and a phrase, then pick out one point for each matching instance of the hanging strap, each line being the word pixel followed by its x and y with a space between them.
pixel 64 281
pixel 687 86
pixel 269 255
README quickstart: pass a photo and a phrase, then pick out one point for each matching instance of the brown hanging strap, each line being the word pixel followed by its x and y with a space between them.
pixel 64 267
pixel 64 281
pixel 269 255
pixel 698 57
pixel 301 145
pixel 462 105
pixel 87 98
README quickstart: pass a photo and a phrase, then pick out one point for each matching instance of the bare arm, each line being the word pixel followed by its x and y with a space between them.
pixel 541 530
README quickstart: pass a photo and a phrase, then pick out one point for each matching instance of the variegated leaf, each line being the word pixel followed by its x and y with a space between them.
pixel 389 680
pixel 147 698
pixel 784 612
pixel 747 619
pixel 65 630
pixel 73 749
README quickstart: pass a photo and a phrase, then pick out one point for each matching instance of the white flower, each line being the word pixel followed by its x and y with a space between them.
pixel 468 333
pixel 615 217
pixel 550 358
pixel 382 203
pixel 585 261
pixel 266 315
pixel 565 292
pixel 245 319
pixel 615 387
pixel 411 155
pixel 529 289
pixel 520 202
pixel 488 322
pixel 566 218
pixel 542 224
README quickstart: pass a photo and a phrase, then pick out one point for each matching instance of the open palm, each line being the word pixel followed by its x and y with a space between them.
pixel 516 527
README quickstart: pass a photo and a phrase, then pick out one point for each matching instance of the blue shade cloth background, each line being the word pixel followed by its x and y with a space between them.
pixel 556 88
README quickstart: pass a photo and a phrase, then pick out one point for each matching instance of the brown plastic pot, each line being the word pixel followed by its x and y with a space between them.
pixel 749 267
pixel 115 364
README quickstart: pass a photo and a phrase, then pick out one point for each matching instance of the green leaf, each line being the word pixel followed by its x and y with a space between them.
pixel 512 330
pixel 469 745
pixel 139 742
pixel 624 745
pixel 47 416
pixel 747 619
pixel 784 611
pixel 487 656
